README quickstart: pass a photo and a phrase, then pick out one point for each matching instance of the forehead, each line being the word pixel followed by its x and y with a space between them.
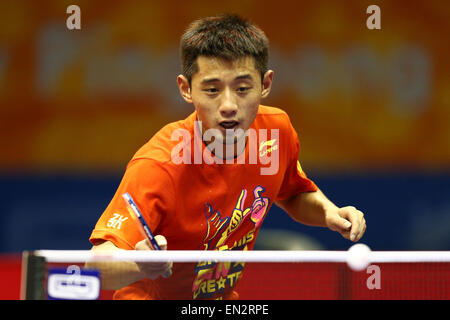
pixel 214 67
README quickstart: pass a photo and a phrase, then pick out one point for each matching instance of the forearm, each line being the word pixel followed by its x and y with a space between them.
pixel 308 208
pixel 115 275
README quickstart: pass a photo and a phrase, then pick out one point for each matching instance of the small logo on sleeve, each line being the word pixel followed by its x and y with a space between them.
pixel 116 221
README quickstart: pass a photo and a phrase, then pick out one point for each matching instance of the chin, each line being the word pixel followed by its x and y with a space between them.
pixel 235 137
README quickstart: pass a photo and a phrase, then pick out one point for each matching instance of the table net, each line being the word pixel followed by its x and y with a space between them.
pixel 268 275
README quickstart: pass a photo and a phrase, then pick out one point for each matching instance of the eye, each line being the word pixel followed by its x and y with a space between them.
pixel 243 89
pixel 211 90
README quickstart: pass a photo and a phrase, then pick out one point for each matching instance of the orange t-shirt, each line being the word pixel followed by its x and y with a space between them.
pixel 197 203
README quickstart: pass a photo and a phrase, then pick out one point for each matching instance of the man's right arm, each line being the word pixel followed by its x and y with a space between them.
pixel 116 275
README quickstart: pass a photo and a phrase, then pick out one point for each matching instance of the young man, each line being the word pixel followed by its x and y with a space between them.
pixel 208 181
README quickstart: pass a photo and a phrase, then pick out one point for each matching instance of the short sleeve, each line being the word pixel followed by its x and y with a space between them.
pixel 295 180
pixel 151 187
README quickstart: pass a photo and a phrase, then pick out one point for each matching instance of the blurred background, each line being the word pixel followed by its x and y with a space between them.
pixel 371 107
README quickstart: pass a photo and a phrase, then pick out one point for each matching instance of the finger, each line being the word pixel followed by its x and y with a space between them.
pixel 154 274
pixel 143 245
pixel 340 224
pixel 355 219
pixel 154 270
pixel 345 234
pixel 168 272
pixel 362 230
pixel 161 241
pixel 155 266
pixel 358 225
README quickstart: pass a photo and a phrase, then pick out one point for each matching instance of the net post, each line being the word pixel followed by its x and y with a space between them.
pixel 32 277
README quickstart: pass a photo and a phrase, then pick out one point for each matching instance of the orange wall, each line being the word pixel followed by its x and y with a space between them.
pixel 360 99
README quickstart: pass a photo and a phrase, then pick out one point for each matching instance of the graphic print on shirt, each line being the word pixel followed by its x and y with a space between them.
pixel 213 278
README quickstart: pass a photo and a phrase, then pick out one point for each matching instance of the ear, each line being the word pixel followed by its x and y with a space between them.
pixel 185 89
pixel 267 83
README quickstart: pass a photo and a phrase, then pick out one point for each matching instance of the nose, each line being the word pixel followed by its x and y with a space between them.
pixel 228 105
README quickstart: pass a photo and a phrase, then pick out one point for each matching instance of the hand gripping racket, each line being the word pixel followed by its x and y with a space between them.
pixel 136 214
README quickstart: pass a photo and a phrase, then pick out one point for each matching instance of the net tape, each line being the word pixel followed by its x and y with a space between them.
pixel 79 256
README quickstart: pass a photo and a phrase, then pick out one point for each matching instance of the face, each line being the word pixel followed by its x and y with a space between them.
pixel 226 94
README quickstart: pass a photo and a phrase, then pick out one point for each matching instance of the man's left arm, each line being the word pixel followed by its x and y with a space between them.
pixel 315 209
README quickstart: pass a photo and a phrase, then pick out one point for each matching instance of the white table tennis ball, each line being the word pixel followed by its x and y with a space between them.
pixel 358 257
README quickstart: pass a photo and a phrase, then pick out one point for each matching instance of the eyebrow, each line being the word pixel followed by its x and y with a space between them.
pixel 242 77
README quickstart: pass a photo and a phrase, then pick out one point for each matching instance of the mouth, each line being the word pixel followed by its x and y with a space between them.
pixel 229 124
